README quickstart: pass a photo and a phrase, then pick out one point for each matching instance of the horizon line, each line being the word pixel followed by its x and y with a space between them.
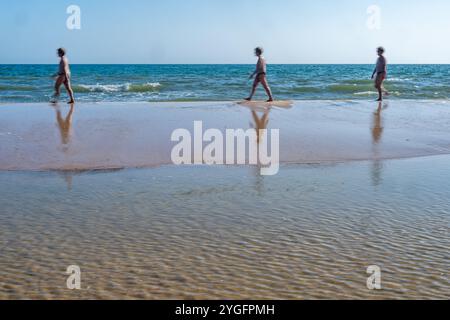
pixel 225 64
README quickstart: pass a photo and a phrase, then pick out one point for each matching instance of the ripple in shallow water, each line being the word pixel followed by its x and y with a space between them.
pixel 227 233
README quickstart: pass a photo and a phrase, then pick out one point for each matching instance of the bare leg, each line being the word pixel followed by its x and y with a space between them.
pixel 378 86
pixel 255 85
pixel 267 88
pixel 380 93
pixel 69 90
pixel 58 83
pixel 386 93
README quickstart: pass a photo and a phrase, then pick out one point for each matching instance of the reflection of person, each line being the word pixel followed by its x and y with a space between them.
pixel 260 123
pixel 65 124
pixel 260 76
pixel 63 76
pixel 377 129
pixel 377 134
pixel 381 74
pixel 68 177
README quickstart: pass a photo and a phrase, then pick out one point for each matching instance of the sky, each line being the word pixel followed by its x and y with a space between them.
pixel 225 31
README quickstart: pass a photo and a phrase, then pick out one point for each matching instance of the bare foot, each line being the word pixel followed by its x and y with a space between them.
pixel 270 100
pixel 71 102
pixel 248 99
pixel 54 99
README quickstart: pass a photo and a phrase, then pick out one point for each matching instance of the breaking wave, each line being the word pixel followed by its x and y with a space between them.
pixel 126 87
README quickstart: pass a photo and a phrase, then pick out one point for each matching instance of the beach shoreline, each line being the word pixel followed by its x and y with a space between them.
pixel 360 184
pixel 104 136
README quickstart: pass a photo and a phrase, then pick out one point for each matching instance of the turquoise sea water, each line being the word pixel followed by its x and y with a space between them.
pixel 32 83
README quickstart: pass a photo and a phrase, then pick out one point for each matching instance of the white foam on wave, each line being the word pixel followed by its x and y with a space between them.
pixel 125 87
pixel 371 93
pixel 399 79
pixel 365 93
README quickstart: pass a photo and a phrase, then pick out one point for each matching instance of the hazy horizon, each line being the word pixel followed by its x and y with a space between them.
pixel 223 64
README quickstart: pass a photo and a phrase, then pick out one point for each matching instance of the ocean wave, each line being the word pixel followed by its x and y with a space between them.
pixel 365 93
pixel 358 81
pixel 399 79
pixel 16 88
pixel 109 88
pixel 370 81
pixel 373 93
pixel 305 90
pixel 348 87
pixel 16 97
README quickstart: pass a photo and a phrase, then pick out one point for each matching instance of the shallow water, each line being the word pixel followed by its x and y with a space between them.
pixel 228 233
pixel 93 83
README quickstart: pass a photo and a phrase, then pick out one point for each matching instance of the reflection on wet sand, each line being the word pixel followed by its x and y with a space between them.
pixel 260 123
pixel 68 178
pixel 377 129
pixel 65 130
pixel 377 135
pixel 64 124
pixel 108 136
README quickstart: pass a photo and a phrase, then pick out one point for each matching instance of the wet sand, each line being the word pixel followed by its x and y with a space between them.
pixel 136 135
pixel 225 232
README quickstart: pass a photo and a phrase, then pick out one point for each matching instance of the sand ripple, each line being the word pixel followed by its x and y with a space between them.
pixel 227 233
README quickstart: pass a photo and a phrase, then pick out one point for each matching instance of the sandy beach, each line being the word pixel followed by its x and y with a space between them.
pixel 137 135
pixel 309 232
pixel 357 187
pixel 224 159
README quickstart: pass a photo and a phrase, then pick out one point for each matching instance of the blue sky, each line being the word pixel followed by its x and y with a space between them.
pixel 213 31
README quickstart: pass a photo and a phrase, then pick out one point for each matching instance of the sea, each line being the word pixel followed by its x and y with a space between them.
pixel 141 83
